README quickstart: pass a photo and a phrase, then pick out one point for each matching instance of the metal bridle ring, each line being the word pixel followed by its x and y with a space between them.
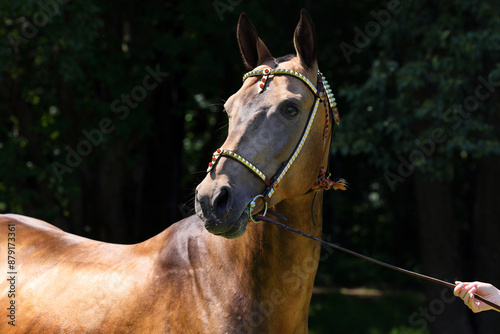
pixel 253 205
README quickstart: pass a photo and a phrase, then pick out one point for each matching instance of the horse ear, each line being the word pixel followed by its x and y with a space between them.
pixel 304 40
pixel 253 50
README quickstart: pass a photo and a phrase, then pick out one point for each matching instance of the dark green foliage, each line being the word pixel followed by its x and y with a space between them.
pixel 429 60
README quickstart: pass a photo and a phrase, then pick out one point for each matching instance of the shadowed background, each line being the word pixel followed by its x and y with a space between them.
pixel 109 113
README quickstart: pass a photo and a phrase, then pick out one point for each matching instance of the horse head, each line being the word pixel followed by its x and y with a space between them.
pixel 283 108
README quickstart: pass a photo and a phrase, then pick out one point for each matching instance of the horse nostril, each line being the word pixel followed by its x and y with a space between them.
pixel 223 202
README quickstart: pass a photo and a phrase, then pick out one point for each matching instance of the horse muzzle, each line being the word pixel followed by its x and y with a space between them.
pixel 222 213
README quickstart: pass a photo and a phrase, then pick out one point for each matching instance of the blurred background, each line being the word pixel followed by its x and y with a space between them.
pixel 110 111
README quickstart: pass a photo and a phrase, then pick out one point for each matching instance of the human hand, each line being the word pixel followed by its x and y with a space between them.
pixel 466 291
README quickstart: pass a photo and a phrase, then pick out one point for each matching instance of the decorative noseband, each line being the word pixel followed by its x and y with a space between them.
pixel 323 90
pixel 239 158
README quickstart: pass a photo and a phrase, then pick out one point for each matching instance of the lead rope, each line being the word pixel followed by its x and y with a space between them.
pixel 390 266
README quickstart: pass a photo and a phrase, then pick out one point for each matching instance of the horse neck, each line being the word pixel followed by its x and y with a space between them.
pixel 281 260
pixel 267 273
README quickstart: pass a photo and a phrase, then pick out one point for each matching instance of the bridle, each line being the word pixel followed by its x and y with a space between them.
pixel 322 94
pixel 323 181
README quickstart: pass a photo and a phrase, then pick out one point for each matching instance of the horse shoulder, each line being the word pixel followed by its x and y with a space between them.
pixel 197 268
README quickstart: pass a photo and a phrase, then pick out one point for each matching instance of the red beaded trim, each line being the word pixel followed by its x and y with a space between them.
pixel 215 156
pixel 265 75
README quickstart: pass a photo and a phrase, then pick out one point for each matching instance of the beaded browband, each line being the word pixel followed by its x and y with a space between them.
pixel 323 93
pixel 267 71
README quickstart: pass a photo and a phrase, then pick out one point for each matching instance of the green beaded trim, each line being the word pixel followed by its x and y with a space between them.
pixel 331 99
pixel 268 71
pixel 222 152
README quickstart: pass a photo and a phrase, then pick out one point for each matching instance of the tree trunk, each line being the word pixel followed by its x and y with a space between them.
pixel 439 240
pixel 486 236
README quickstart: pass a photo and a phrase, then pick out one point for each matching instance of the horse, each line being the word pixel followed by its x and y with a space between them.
pixel 222 270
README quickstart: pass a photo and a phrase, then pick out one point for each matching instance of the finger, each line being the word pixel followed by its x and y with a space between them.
pixel 471 289
pixel 471 293
pixel 463 292
pixel 466 297
pixel 458 288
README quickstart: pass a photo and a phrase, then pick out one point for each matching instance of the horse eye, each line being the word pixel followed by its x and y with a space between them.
pixel 291 110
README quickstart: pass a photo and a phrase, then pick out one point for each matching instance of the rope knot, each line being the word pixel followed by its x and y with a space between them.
pixel 323 182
